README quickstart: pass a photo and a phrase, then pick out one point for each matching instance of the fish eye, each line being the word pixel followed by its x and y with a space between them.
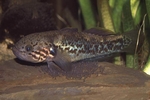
pixel 52 51
pixel 28 47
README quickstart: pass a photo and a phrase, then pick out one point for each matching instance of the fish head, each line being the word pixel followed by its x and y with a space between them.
pixel 33 48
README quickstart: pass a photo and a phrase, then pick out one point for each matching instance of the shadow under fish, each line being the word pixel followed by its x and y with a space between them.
pixel 80 70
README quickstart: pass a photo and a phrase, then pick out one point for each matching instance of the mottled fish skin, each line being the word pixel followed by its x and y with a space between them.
pixel 68 44
pixel 81 46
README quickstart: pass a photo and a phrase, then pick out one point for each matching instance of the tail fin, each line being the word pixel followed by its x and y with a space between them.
pixel 135 36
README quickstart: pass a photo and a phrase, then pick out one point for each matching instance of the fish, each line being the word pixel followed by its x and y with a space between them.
pixel 62 47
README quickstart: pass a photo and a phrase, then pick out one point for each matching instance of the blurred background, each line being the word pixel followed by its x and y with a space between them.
pixel 20 18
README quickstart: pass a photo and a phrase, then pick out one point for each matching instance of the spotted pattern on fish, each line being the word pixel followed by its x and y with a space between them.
pixel 69 44
pixel 102 45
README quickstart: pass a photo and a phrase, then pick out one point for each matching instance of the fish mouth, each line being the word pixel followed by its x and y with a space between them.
pixel 17 53
pixel 22 55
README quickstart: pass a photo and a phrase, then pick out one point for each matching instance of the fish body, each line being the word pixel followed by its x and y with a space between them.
pixel 69 45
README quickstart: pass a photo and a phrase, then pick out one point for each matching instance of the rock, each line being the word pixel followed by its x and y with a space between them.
pixel 22 81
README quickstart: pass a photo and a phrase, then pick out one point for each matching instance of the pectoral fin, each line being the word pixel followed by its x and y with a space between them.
pixel 62 61
pixel 53 69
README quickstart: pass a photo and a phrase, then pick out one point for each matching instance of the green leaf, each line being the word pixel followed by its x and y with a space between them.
pixel 88 13
pixel 138 10
pixel 147 66
pixel 105 14
pixel 148 8
pixel 117 9
pixel 128 24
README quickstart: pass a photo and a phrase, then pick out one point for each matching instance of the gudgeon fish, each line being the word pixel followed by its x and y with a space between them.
pixel 61 47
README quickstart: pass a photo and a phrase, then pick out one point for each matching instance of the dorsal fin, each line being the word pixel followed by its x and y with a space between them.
pixel 69 29
pixel 99 31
